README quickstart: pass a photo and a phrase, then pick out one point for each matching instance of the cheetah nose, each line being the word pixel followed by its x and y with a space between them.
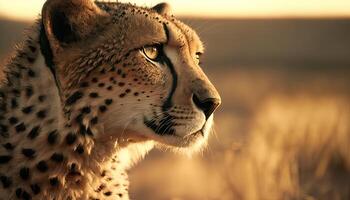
pixel 208 105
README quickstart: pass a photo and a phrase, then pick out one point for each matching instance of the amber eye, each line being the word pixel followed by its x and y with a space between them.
pixel 151 52
pixel 198 57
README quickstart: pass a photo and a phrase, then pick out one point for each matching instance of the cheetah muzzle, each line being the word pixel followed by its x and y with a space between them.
pixel 93 87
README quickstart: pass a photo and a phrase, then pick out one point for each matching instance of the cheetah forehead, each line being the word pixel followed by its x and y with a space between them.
pixel 130 27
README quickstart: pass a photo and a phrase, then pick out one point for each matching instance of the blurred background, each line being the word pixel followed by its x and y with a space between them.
pixel 283 70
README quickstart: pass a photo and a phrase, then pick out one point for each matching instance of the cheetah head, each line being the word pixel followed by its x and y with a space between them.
pixel 132 72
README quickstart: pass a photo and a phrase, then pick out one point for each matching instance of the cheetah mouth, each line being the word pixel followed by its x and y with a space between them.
pixel 162 126
pixel 195 134
pixel 164 132
pixel 167 128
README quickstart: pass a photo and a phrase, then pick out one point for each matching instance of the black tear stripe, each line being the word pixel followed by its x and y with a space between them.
pixel 168 102
pixel 164 126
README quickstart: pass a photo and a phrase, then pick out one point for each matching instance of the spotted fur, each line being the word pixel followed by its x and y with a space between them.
pixel 80 102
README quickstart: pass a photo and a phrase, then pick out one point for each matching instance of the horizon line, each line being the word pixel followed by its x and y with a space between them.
pixel 237 17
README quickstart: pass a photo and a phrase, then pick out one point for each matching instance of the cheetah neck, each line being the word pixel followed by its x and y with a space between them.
pixel 43 152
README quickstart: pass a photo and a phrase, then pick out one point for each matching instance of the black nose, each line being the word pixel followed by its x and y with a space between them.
pixel 208 105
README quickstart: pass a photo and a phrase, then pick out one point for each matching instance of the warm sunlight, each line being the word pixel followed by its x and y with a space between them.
pixel 125 104
pixel 221 8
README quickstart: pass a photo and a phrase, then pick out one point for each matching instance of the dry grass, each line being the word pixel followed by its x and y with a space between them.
pixel 299 148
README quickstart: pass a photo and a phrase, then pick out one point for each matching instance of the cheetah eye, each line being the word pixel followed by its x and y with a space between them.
pixel 152 52
pixel 197 58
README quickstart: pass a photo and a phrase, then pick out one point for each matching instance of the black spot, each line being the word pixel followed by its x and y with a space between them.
pixel 24 173
pixel 28 109
pixel 93 95
pixel 127 90
pixel 136 94
pixel 57 157
pixel 6 181
pixel 19 192
pixel 31 73
pixel 86 110
pixel 32 48
pixel 26 195
pixel 29 153
pixel 121 84
pixel 82 130
pixel 29 91
pixel 103 109
pixel 122 95
pixel 94 80
pixel 3 130
pixel 103 174
pixel 14 103
pixel 89 132
pixel 8 146
pixel 85 131
pixel 34 132
pixel 80 149
pixel 41 114
pixel 71 138
pixel 101 85
pixel 42 166
pixel 109 193
pixel 79 119
pixel 74 97
pixel 20 128
pixel 30 59
pixel 108 101
pixel 35 188
pixel 73 168
pixel 16 92
pixel 110 88
pixel 13 120
pixel 54 181
pixel 120 195
pixel 94 121
pixel 5 159
pixel 84 84
pixel 101 187
pixel 52 137
pixel 42 98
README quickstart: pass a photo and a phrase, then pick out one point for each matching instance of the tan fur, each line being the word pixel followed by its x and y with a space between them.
pixel 101 90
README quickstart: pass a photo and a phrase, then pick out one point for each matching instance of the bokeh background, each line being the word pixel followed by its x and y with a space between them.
pixel 282 132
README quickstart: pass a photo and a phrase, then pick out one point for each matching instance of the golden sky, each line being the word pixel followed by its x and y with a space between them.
pixel 28 9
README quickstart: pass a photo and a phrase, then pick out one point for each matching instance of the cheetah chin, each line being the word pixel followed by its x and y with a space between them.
pixel 94 87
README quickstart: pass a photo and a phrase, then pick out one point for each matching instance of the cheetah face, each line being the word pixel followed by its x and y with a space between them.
pixel 137 68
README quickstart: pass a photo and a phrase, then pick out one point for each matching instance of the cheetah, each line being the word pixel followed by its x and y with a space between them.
pixel 92 88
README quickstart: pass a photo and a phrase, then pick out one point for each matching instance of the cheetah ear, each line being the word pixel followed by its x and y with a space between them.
pixel 67 21
pixel 162 8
